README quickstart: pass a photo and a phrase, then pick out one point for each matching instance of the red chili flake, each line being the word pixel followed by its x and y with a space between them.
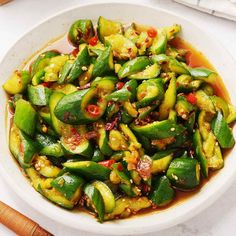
pixel 74 140
pixel 191 98
pixel 93 110
pixel 75 52
pixel 91 135
pixel 100 99
pixel 88 85
pixel 152 33
pixel 145 188
pixel 74 131
pixel 120 167
pixel 107 163
pixel 111 125
pixel 129 88
pixel 77 138
pixel 120 85
pixel 66 116
pixel 191 152
pixel 93 41
pixel 110 103
pixel 47 84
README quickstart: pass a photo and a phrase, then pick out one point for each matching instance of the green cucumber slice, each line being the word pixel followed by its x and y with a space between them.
pixel 107 27
pixel 95 200
pixel 162 193
pixel 25 117
pixel 88 169
pixel 184 173
pixel 222 131
pixel 68 184
pixel 107 195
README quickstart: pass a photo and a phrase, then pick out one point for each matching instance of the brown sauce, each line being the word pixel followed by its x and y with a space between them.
pixel 60 44
pixel 196 59
pixel 180 196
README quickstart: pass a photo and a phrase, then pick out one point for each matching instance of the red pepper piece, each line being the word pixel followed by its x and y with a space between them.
pixel 93 110
pixel 107 163
pixel 152 33
pixel 120 167
pixel 191 98
pixel 120 85
pixel 47 84
pixel 93 41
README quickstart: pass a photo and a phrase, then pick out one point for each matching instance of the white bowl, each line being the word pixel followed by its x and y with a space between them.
pixel 56 26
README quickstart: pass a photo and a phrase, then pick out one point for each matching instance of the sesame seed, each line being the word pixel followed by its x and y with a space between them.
pixel 175 177
pixel 172 129
pixel 44 129
pixel 84 68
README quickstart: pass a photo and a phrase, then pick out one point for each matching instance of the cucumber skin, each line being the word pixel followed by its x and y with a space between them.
pixel 159 130
pixel 197 144
pixel 97 201
pixel 70 183
pixel 222 131
pixel 88 169
pixel 183 174
pixel 162 192
pixel 133 66
pixel 25 117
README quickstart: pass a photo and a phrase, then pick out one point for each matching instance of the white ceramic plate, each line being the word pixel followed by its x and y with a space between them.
pixel 56 26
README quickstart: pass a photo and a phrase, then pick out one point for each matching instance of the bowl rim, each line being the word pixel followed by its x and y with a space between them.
pixel 107 228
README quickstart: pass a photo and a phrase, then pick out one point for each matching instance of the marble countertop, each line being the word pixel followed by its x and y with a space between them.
pixel 18 16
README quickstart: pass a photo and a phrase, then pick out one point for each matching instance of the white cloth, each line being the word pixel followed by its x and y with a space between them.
pixel 220 8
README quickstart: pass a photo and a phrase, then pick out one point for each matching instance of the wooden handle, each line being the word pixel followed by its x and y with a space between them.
pixel 20 224
pixel 4 1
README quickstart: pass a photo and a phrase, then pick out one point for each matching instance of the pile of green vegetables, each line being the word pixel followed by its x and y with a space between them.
pixel 120 123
